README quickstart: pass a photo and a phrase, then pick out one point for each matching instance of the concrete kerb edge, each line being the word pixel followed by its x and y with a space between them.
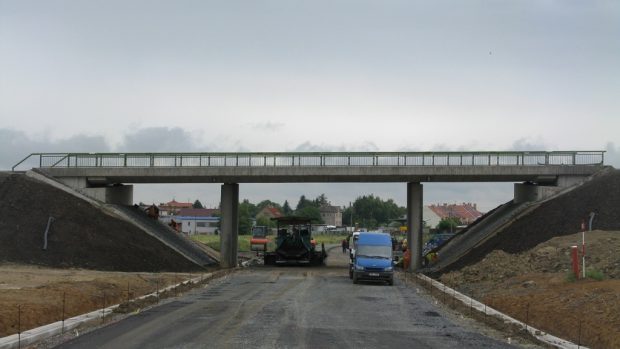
pixel 46 331
pixel 483 308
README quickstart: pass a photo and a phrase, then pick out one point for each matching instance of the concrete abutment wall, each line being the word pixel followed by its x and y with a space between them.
pixel 110 194
pixel 530 192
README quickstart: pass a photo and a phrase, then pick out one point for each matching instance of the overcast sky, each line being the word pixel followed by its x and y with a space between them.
pixel 84 76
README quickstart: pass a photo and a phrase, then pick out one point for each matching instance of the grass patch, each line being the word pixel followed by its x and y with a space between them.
pixel 329 239
pixel 595 274
pixel 591 274
pixel 213 241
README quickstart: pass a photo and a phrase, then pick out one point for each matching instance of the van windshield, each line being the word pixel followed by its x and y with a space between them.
pixel 374 251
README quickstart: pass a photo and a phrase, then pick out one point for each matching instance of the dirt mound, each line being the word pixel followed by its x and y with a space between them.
pixel 561 216
pixel 533 286
pixel 81 236
pixel 552 256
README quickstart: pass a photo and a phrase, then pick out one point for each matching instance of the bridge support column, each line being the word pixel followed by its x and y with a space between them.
pixel 229 225
pixel 414 224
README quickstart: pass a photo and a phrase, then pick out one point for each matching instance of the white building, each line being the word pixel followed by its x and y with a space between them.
pixel 198 221
pixel 331 215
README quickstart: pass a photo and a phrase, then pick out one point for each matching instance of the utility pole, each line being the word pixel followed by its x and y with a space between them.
pixel 351 207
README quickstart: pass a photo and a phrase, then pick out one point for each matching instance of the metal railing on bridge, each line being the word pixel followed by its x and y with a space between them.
pixel 120 160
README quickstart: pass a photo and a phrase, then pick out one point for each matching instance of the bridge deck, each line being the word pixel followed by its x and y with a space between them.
pixel 317 167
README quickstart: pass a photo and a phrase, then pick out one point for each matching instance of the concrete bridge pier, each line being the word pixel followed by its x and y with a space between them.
pixel 229 225
pixel 414 224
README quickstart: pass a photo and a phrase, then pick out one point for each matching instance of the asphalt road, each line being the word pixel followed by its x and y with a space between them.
pixel 291 307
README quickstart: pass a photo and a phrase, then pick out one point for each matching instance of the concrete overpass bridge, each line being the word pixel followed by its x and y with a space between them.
pixel 103 175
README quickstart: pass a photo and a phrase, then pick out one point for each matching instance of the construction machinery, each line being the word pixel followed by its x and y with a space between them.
pixel 294 244
pixel 259 239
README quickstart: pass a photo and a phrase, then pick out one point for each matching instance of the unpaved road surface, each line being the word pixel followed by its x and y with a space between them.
pixel 291 307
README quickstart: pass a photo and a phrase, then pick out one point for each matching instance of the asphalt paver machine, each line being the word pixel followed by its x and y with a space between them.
pixel 294 244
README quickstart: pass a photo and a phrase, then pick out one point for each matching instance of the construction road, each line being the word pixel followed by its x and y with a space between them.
pixel 292 307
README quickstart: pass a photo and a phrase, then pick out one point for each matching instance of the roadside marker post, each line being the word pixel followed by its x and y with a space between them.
pixel 103 309
pixel 527 316
pixel 62 329
pixel 575 260
pixel 583 248
pixel 19 326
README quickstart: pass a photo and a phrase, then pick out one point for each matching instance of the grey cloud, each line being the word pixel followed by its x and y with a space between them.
pixel 160 139
pixel 311 147
pixel 15 145
pixel 176 139
pixel 267 126
pixel 529 144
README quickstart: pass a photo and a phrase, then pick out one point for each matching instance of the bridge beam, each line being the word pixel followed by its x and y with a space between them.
pixel 229 225
pixel 414 224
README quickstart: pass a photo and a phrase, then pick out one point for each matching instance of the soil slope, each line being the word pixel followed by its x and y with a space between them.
pixel 533 286
pixel 561 216
pixel 81 236
pixel 523 270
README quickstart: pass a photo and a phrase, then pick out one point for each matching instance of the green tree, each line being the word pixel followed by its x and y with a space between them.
pixel 310 212
pixel 321 200
pixel 261 205
pixel 346 216
pixel 265 221
pixel 303 203
pixel 448 224
pixel 247 212
pixel 197 204
pixel 371 211
pixel 286 208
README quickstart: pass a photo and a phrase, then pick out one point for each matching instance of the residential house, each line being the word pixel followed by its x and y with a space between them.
pixel 269 212
pixel 331 215
pixel 466 212
pixel 198 220
pixel 173 207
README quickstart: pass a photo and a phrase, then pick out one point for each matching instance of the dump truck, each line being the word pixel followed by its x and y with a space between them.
pixel 294 244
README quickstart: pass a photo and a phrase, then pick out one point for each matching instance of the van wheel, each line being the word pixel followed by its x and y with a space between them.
pixel 350 273
pixel 354 278
pixel 391 282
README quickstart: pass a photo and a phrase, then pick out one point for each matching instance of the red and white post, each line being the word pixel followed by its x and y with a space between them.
pixel 575 259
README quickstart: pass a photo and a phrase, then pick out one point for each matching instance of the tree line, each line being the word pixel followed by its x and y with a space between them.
pixel 367 211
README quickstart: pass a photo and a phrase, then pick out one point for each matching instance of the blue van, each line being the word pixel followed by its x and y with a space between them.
pixel 372 260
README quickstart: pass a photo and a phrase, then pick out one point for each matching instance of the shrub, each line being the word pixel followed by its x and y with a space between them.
pixel 595 274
